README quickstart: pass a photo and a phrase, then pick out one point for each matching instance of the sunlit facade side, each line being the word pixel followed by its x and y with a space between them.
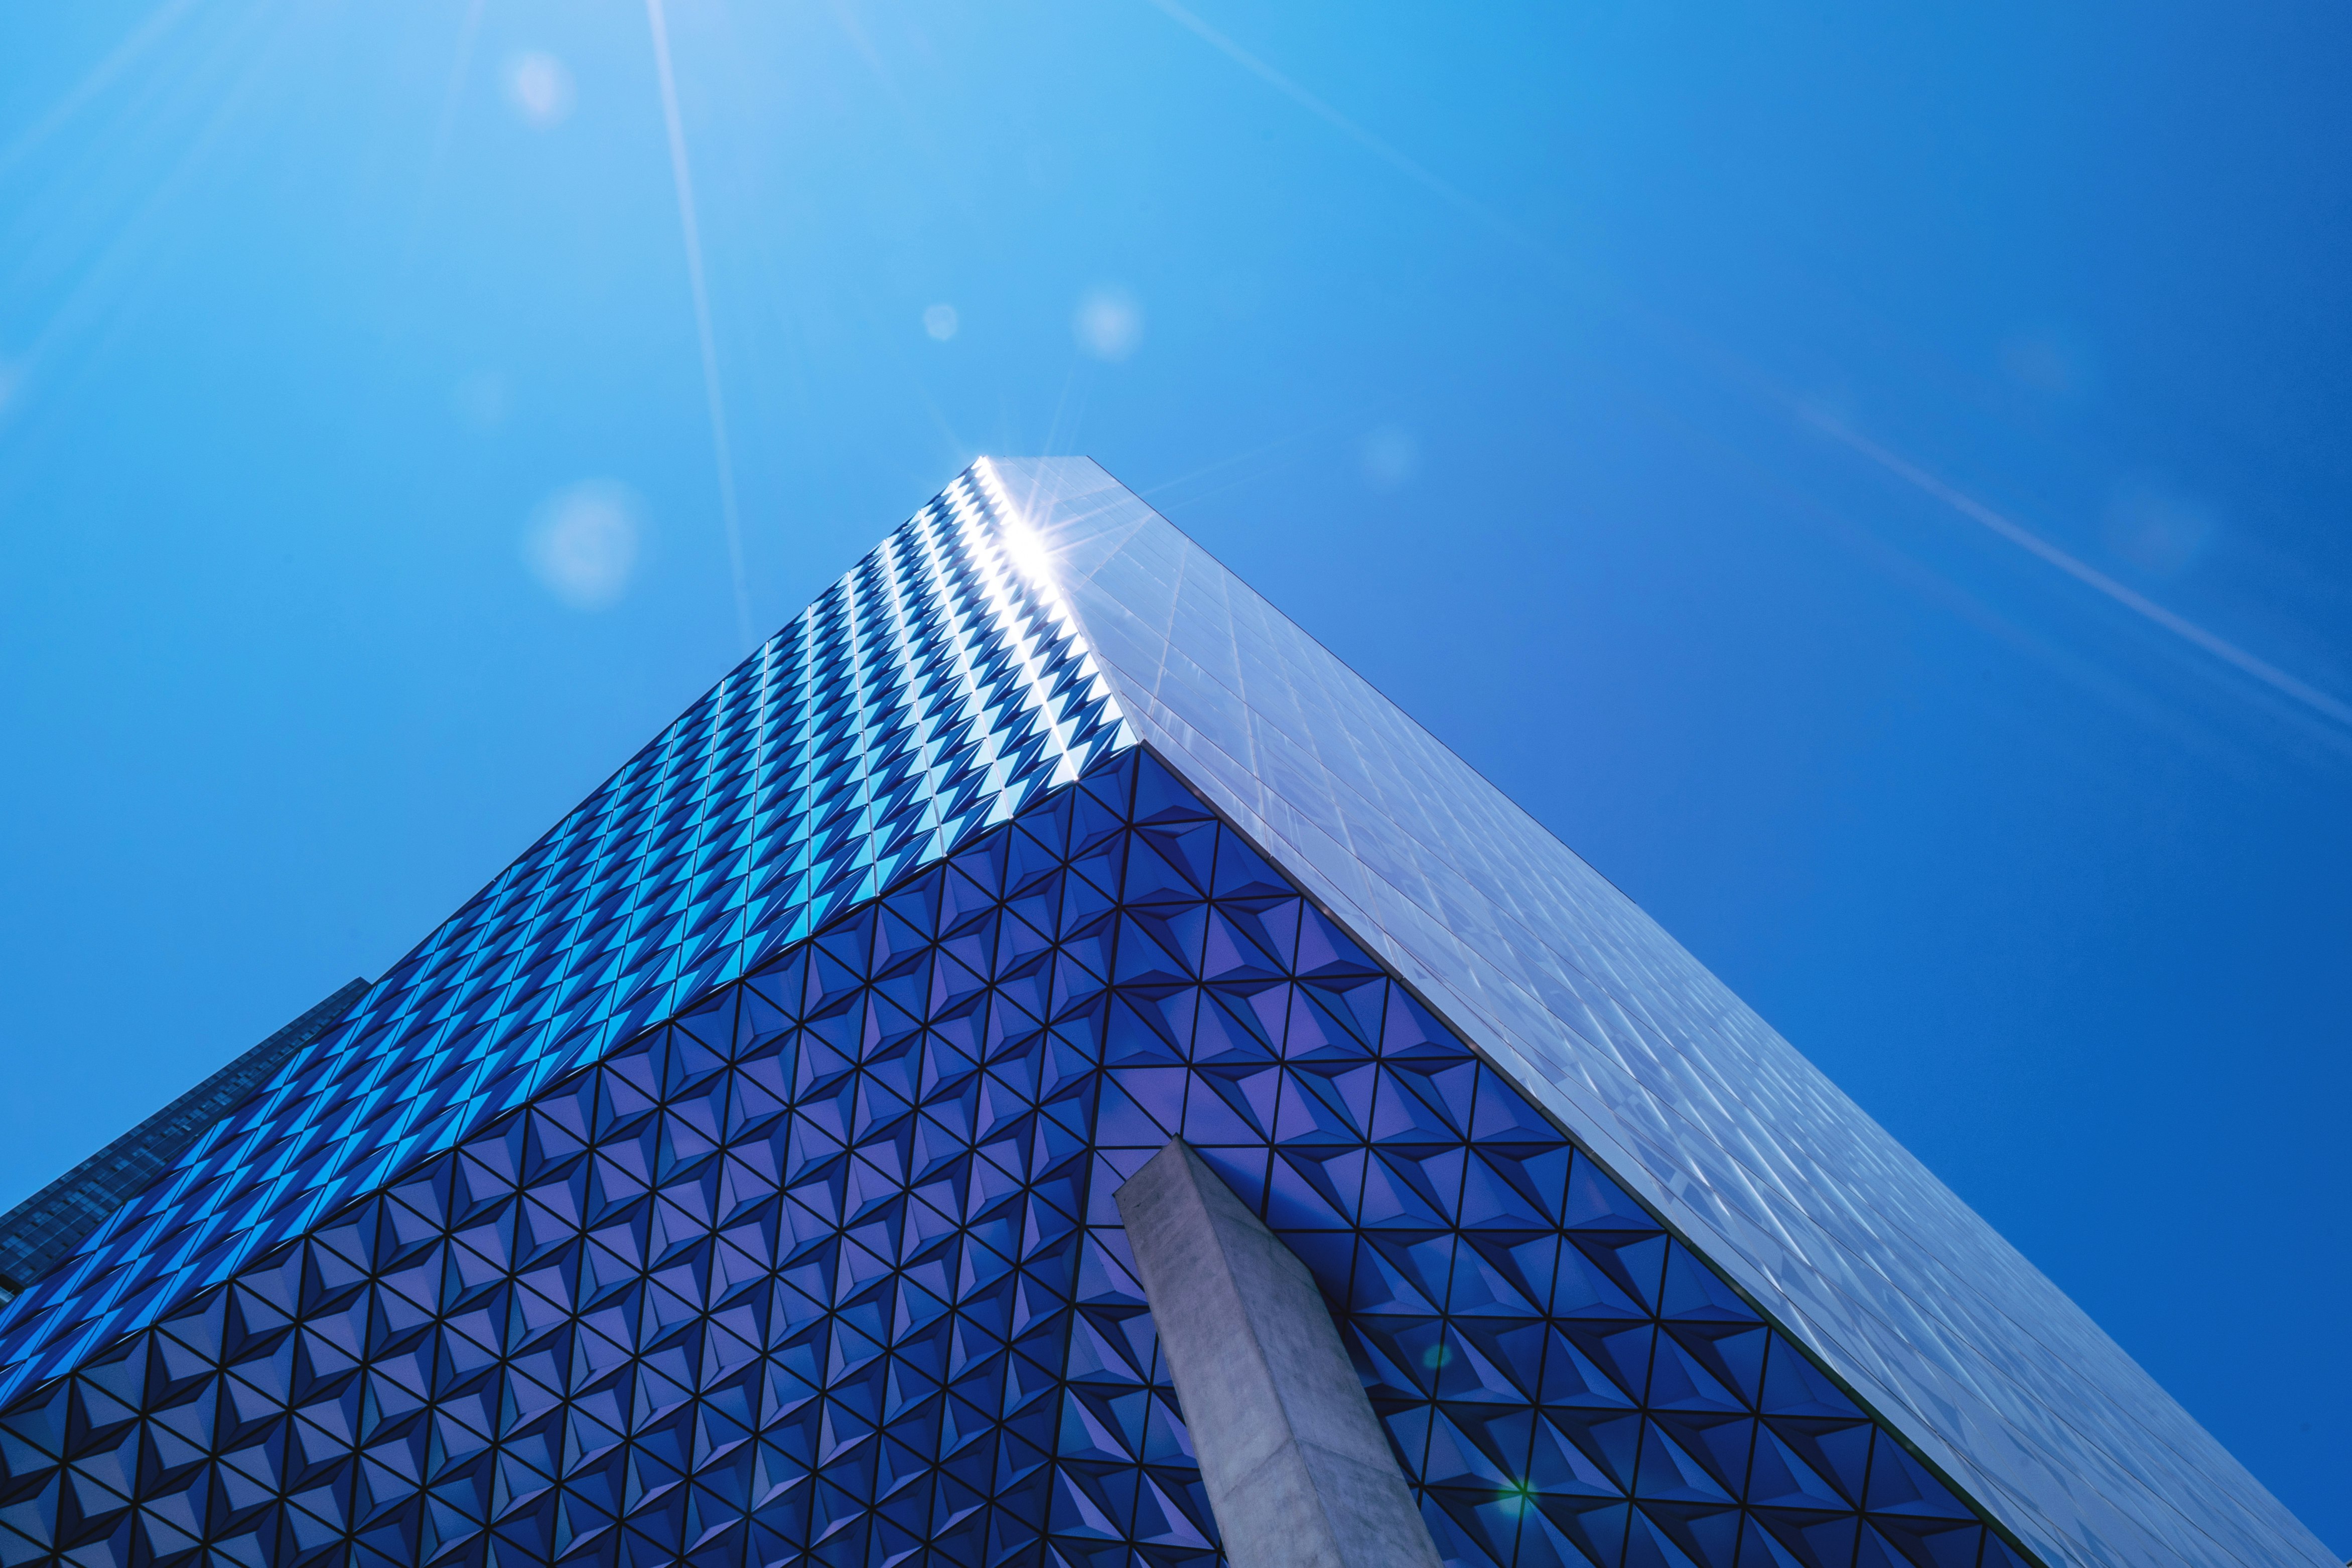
pixel 731 1180
pixel 932 690
pixel 1707 1116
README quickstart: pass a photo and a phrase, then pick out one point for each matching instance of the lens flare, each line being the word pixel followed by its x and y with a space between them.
pixel 1029 553
pixel 1390 455
pixel 1108 324
pixel 482 399
pixel 539 88
pixel 583 543
pixel 2156 528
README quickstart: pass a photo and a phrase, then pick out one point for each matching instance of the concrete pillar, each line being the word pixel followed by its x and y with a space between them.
pixel 1299 1471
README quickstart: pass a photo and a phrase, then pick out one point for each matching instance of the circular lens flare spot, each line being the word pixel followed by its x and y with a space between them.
pixel 1390 457
pixel 584 542
pixel 1108 324
pixel 539 88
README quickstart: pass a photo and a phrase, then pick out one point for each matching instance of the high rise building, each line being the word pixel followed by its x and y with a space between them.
pixel 780 1161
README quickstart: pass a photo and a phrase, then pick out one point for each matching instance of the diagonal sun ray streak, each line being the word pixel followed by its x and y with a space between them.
pixel 213 92
pixel 721 449
pixel 158 23
pixel 1411 168
pixel 469 27
pixel 2091 577
pixel 2301 691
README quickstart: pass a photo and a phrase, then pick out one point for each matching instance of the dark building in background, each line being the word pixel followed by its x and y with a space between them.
pixel 47 1226
pixel 778 1162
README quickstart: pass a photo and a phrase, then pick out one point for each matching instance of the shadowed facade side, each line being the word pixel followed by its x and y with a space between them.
pixel 1297 1469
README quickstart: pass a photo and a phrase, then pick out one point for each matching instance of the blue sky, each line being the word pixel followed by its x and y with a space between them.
pixel 1873 481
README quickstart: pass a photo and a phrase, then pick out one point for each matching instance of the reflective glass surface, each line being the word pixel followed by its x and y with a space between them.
pixel 928 692
pixel 1710 1116
pixel 827 1269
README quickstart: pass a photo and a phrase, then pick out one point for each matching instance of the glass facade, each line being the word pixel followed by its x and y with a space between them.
pixel 731 1180
pixel 1705 1112
pixel 930 692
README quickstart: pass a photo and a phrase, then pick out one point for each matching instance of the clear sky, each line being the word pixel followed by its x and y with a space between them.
pixel 1873 479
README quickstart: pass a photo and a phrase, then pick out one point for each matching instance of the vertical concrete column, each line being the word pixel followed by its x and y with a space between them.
pixel 1298 1470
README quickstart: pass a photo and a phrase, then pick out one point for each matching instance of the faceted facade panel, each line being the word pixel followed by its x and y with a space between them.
pixel 731 1180
pixel 1710 1117
pixel 930 691
pixel 827 1270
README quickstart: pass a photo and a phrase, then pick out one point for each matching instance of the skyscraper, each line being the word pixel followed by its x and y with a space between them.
pixel 780 1161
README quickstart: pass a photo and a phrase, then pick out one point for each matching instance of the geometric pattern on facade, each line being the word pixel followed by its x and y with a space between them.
pixel 827 1271
pixel 49 1226
pixel 932 690
pixel 201 1354
pixel 1706 1113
